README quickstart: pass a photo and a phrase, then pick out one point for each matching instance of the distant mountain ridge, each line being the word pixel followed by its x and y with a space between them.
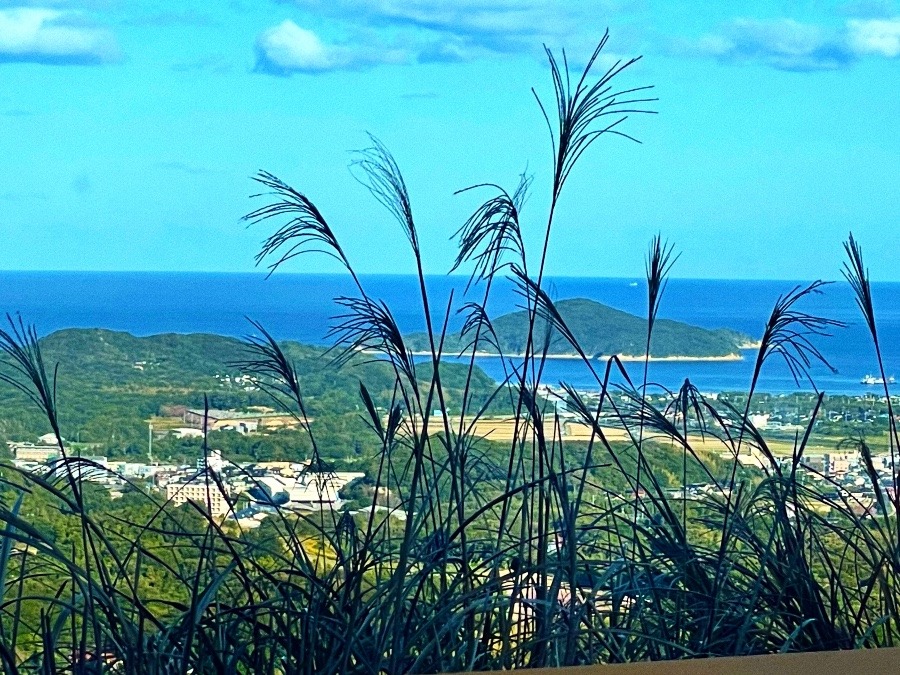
pixel 603 331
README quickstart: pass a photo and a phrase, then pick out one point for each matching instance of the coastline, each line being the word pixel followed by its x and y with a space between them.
pixel 625 358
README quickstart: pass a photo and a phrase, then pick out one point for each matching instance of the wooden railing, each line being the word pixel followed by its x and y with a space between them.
pixel 865 661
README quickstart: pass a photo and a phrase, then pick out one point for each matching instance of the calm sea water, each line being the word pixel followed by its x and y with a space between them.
pixel 301 307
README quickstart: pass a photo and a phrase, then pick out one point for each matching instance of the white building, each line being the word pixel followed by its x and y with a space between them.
pixel 309 491
pixel 839 463
pixel 29 452
pixel 760 421
pixel 187 432
pixel 201 490
pixel 213 461
pixel 137 469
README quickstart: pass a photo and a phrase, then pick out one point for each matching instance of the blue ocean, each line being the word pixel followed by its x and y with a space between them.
pixel 301 307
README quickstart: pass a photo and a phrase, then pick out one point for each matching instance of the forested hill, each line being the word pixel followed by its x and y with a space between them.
pixel 603 330
pixel 115 358
pixel 111 382
pixel 95 359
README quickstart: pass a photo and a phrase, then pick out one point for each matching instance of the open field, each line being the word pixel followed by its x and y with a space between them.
pixel 502 430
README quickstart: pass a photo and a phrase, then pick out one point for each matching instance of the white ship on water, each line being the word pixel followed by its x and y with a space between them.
pixel 871 379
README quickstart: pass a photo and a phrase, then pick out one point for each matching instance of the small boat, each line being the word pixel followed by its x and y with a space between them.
pixel 871 379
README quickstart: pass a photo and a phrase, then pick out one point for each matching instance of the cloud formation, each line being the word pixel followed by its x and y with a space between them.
pixel 504 25
pixel 38 35
pixel 875 36
pixel 288 48
pixel 786 44
pixel 402 31
pixel 441 30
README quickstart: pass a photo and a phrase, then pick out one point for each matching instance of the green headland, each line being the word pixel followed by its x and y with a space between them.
pixel 602 330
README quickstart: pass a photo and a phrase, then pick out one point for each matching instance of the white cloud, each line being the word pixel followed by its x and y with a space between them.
pixel 52 36
pixel 786 44
pixel 875 36
pixel 457 30
pixel 783 44
pixel 288 48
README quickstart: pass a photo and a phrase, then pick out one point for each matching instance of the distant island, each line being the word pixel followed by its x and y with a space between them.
pixel 604 331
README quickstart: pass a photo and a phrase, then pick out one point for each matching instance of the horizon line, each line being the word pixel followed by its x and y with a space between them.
pixel 460 276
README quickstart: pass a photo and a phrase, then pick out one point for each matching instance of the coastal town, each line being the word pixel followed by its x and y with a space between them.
pixel 249 492
pixel 242 492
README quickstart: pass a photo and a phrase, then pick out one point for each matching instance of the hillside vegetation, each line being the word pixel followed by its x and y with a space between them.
pixel 111 382
pixel 114 359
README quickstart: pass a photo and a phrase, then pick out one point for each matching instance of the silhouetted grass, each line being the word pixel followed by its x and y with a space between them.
pixel 530 563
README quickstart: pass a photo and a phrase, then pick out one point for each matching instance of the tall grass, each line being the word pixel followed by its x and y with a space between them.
pixel 532 562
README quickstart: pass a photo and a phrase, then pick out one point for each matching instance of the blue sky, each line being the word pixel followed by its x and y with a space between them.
pixel 129 130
